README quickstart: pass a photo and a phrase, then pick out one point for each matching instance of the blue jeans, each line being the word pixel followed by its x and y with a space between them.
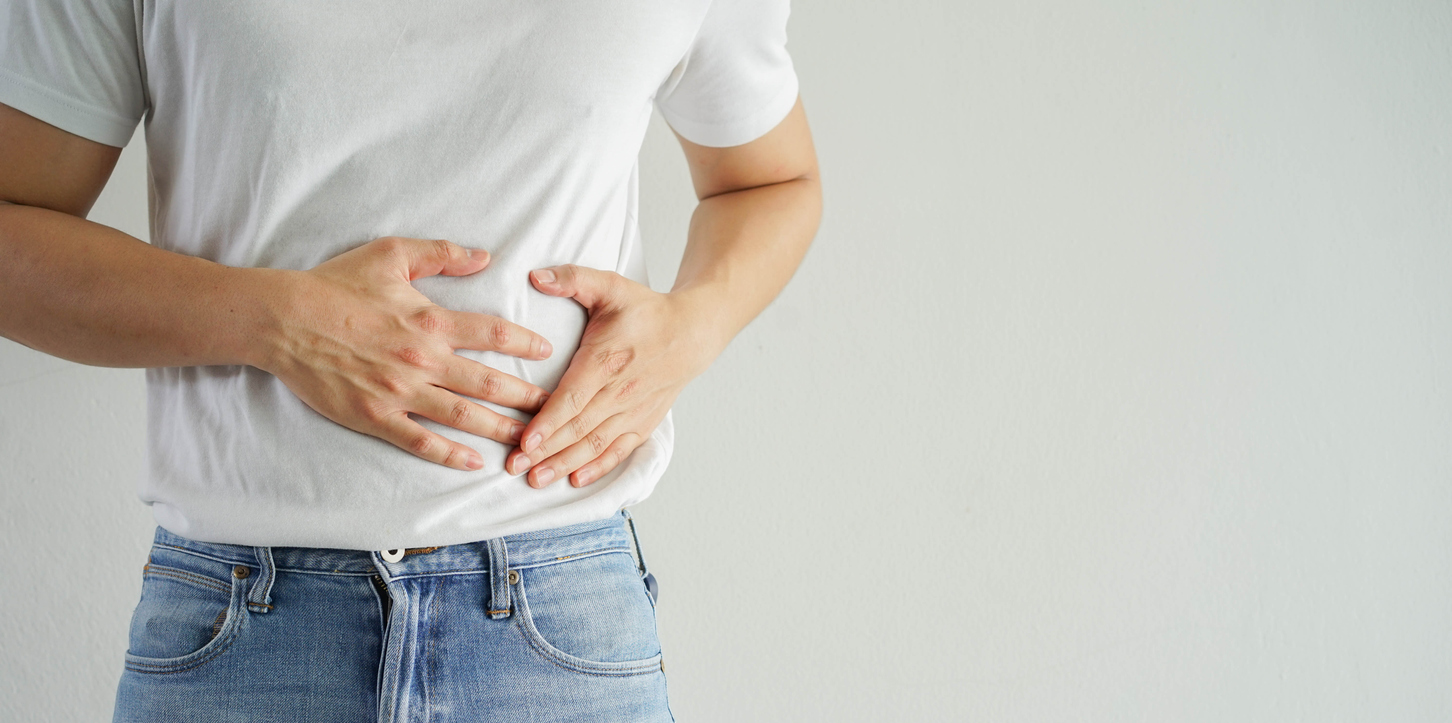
pixel 555 625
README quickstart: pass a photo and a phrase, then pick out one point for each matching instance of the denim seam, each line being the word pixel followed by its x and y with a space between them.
pixel 440 573
pixel 562 558
pixel 165 669
pixel 252 562
pixel 595 526
pixel 430 656
pixel 524 623
pixel 335 573
pixel 571 558
pixel 512 566
pixel 602 672
pixel 186 576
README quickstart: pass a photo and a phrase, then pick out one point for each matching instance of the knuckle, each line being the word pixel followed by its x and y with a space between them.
pixel 391 245
pixel 629 388
pixel 374 410
pixel 596 442
pixel 460 412
pixel 614 361
pixel 442 248
pixel 575 400
pixel 454 456
pixel 578 427
pixel 490 384
pixel 502 427
pixel 394 383
pixel 432 321
pixel 499 332
pixel 412 355
pixel 421 444
pixel 627 442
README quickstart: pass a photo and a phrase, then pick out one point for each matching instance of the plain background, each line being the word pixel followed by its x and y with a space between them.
pixel 1114 388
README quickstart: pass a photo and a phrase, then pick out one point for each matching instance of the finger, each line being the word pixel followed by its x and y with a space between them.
pixel 574 429
pixel 450 409
pixel 412 437
pixel 483 332
pixel 578 386
pixel 593 288
pixel 428 257
pixel 589 446
pixel 608 460
pixel 470 378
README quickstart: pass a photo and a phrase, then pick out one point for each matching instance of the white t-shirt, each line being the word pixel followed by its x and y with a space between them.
pixel 281 134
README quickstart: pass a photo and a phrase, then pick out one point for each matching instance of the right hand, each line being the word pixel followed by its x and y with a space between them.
pixel 361 346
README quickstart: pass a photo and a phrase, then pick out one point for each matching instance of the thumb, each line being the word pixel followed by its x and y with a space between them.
pixel 593 288
pixel 427 257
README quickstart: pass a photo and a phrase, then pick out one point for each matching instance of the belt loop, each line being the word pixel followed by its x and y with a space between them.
pixel 498 579
pixel 639 558
pixel 650 584
pixel 259 599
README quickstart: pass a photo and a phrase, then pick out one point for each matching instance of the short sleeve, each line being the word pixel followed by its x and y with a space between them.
pixel 73 64
pixel 737 81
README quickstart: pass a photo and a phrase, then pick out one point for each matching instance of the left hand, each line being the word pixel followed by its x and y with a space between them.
pixel 639 349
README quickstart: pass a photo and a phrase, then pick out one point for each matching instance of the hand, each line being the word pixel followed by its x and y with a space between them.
pixel 361 346
pixel 639 349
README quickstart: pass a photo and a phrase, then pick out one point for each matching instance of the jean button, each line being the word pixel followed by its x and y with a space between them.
pixel 392 555
pixel 241 572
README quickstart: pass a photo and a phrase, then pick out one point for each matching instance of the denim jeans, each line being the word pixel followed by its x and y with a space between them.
pixel 554 625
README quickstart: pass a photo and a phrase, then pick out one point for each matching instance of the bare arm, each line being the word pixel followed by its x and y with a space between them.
pixel 91 294
pixel 760 206
pixel 351 337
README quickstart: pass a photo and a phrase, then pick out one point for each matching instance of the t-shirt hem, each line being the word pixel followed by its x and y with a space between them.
pixel 721 134
pixel 64 112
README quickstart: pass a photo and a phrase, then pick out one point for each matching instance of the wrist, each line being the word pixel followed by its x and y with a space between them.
pixel 708 321
pixel 265 296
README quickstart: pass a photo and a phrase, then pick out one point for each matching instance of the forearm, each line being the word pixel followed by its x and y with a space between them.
pixel 94 295
pixel 741 250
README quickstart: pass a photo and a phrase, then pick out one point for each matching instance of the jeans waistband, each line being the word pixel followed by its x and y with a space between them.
pixel 525 549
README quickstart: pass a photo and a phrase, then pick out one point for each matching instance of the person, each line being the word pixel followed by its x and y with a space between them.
pixel 405 372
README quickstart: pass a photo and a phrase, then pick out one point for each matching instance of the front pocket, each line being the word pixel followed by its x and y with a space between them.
pixel 589 614
pixel 187 615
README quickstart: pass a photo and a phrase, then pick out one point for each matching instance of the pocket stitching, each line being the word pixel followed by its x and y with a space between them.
pixel 525 624
pixel 186 576
pixel 231 630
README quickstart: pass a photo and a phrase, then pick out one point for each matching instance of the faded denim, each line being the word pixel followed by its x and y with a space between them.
pixel 287 634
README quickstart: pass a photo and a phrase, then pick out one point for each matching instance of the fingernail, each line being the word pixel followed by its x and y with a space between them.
pixel 521 463
pixel 544 476
pixel 545 276
pixel 532 442
pixel 516 431
pixel 475 461
pixel 582 478
pixel 544 347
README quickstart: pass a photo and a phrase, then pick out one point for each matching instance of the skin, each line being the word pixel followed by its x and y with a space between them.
pixel 760 206
pixel 357 343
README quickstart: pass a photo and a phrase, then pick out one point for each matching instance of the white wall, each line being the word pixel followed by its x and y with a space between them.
pixel 1115 388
